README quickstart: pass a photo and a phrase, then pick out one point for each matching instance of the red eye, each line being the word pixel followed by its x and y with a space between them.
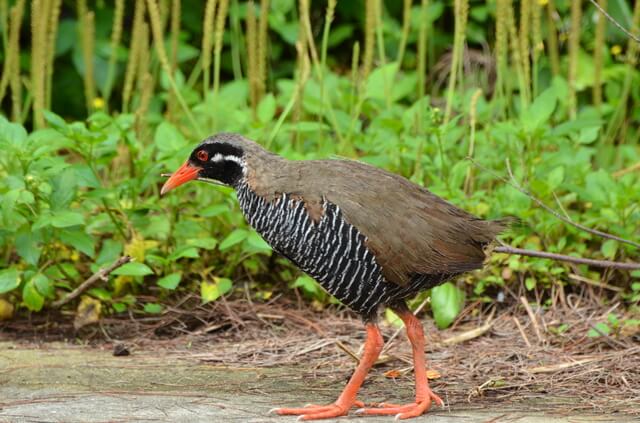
pixel 202 155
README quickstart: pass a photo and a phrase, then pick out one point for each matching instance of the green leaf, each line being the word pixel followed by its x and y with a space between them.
pixel 133 269
pixel 64 189
pixel 168 139
pixel 184 251
pixel 211 291
pixel 555 177
pixel 31 297
pixel 9 280
pixel 64 219
pixel 224 285
pixel 171 281
pixel 609 248
pixel 266 109
pixel 100 293
pixel 392 318
pixel 79 240
pixel 601 327
pixel 43 285
pixel 257 243
pixel 540 110
pixel 28 246
pixel 235 237
pixel 307 284
pixel 446 301
pixel 153 308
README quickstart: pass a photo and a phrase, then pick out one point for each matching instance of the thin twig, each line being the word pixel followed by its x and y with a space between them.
pixel 533 319
pixel 506 249
pixel 516 185
pixel 513 183
pixel 613 21
pixel 524 335
pixel 594 283
pixel 101 274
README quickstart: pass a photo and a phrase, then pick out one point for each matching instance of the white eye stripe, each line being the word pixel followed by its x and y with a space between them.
pixel 219 158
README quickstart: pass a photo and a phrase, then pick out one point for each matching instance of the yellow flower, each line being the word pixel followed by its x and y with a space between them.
pixel 543 2
pixel 98 103
pixel 616 49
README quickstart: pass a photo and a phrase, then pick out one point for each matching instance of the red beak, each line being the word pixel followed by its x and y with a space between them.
pixel 185 174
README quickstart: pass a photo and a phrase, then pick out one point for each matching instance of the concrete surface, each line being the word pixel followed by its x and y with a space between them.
pixel 63 383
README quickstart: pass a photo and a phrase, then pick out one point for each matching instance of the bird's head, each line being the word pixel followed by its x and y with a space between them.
pixel 219 159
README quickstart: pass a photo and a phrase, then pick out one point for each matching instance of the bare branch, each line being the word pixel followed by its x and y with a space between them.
pixel 99 275
pixel 513 183
pixel 613 21
pixel 506 249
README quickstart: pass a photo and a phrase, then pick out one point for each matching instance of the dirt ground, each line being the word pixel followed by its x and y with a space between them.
pixel 234 362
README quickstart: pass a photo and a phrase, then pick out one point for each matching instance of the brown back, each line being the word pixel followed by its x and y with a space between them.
pixel 410 230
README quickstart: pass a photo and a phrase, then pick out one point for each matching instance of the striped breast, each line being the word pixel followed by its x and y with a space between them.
pixel 330 250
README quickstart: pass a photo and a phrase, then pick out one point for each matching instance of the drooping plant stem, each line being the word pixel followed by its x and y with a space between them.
pixel 552 38
pixel 468 181
pixel 134 52
pixel 406 28
pixel 369 37
pixel 252 57
pixel 52 32
pixel 221 18
pixel 525 32
pixel 538 45
pixel 207 42
pixel 598 48
pixel 262 45
pixel 574 49
pixel 116 36
pixel 39 24
pixel 156 29
pixel 461 9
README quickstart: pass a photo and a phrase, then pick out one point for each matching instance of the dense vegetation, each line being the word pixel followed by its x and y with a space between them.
pixel 100 100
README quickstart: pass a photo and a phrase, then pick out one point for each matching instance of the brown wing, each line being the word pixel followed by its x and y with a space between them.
pixel 410 230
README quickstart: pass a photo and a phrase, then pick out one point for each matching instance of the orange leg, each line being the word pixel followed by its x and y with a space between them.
pixel 347 399
pixel 424 395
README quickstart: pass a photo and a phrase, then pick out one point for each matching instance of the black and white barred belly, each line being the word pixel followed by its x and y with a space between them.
pixel 331 251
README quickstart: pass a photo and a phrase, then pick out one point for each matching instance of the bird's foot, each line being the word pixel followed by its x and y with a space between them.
pixel 317 412
pixel 402 412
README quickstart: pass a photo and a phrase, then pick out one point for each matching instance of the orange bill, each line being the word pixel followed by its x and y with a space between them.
pixel 186 173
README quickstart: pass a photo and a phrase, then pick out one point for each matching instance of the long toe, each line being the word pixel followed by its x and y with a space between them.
pixel 314 412
pixel 400 411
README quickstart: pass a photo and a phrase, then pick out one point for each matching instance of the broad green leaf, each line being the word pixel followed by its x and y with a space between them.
pixel 257 243
pixel 224 285
pixel 307 284
pixel 64 219
pixel 79 240
pixel 208 292
pixel 64 188
pixel 28 246
pixel 446 301
pixel 267 109
pixel 211 291
pixel 185 251
pixel 152 308
pixel 31 297
pixel 43 284
pixel 600 327
pixel 171 281
pixel 235 237
pixel 609 248
pixel 540 110
pixel 9 280
pixel 133 269
pixel 168 139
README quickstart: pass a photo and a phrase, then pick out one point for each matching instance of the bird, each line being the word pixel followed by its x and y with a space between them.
pixel 371 238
